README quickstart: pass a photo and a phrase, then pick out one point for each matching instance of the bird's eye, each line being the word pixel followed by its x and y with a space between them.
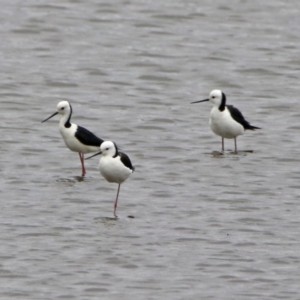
pixel 62 108
pixel 213 97
pixel 106 148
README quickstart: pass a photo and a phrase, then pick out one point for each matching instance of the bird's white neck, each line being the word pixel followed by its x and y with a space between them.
pixel 66 119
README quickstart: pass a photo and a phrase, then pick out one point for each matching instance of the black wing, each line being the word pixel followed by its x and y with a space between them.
pixel 126 161
pixel 238 117
pixel 87 138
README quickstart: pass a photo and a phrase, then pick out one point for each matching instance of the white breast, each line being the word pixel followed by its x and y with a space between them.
pixel 222 124
pixel 113 170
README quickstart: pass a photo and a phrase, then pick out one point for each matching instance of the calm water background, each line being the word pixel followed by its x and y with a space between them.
pixel 204 227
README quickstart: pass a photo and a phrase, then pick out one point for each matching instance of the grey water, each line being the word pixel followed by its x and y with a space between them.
pixel 192 225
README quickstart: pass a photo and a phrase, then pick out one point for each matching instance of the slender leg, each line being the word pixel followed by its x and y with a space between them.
pixel 222 144
pixel 116 202
pixel 235 147
pixel 81 156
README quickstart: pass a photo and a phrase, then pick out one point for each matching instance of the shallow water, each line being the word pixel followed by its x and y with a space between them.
pixel 204 225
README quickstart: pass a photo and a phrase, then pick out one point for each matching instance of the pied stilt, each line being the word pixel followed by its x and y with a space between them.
pixel 226 120
pixel 114 166
pixel 76 138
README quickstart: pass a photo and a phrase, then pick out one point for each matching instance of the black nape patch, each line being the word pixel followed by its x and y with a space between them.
pixel 223 103
pixel 68 123
pixel 117 150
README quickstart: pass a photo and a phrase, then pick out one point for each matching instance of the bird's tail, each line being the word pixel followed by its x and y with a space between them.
pixel 250 127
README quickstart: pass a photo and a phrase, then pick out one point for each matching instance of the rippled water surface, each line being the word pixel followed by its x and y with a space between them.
pixel 204 226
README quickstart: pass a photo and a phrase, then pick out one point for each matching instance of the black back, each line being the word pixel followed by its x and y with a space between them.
pixel 126 161
pixel 238 117
pixel 124 158
pixel 87 138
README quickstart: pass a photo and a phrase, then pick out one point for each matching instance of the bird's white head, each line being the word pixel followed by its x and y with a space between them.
pixel 108 148
pixel 216 97
pixel 63 107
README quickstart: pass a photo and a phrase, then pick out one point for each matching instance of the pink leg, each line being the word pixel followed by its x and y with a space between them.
pixel 222 144
pixel 81 156
pixel 116 202
pixel 235 147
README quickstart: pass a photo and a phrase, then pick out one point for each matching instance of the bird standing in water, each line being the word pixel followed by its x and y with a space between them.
pixel 226 120
pixel 114 166
pixel 76 138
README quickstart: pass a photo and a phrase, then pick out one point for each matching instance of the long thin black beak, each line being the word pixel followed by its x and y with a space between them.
pixel 100 152
pixel 50 117
pixel 200 101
